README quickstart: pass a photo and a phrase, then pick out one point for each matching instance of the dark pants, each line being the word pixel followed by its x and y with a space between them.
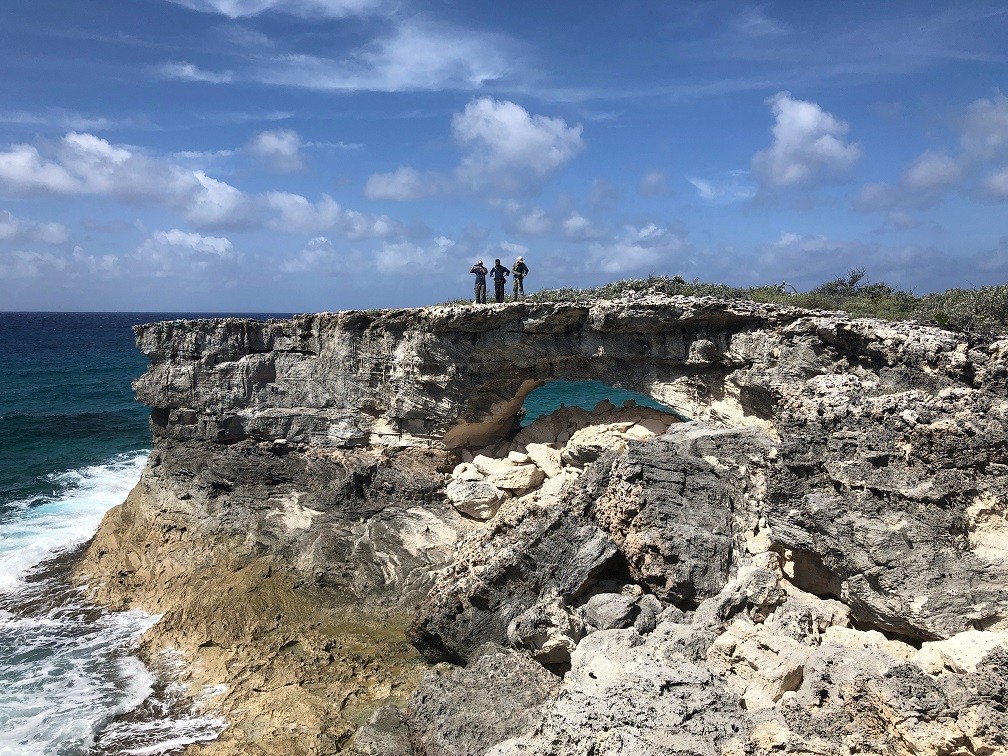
pixel 499 289
pixel 481 293
pixel 519 288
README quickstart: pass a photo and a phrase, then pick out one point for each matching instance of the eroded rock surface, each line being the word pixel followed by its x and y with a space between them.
pixel 816 564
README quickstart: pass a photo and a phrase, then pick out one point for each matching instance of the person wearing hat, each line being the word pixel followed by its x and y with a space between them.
pixel 480 272
pixel 518 271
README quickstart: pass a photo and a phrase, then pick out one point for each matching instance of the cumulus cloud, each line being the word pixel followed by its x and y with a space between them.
pixel 83 164
pixel 234 9
pixel 653 184
pixel 404 184
pixel 996 185
pixel 985 128
pixel 299 214
pixel 29 264
pixel 182 254
pixel 408 259
pixel 13 229
pixel 808 145
pixel 318 256
pixel 932 171
pixel 642 249
pixel 505 148
pixel 280 149
pixel 577 227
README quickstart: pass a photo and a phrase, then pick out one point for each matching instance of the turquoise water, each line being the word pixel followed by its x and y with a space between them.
pixel 585 394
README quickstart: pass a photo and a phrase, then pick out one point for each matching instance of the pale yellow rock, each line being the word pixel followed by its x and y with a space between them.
pixel 517 477
pixel 467 471
pixel 518 457
pixel 546 457
pixel 759 666
pixel 638 433
pixel 553 486
pixel 654 425
pixel 962 652
pixel 490 466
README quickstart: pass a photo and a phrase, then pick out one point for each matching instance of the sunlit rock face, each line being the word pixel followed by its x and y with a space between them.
pixel 817 526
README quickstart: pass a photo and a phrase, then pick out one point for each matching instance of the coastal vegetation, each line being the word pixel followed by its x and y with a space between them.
pixel 983 310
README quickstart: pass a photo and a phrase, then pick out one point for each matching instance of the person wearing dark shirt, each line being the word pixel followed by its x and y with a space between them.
pixel 518 272
pixel 480 272
pixel 498 274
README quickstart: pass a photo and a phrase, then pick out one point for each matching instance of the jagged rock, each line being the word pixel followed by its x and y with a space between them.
pixel 549 631
pixel 535 550
pixel 588 444
pixel 475 498
pixel 670 510
pixel 498 695
pixel 865 462
pixel 622 697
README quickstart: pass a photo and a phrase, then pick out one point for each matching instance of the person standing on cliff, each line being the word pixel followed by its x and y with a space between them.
pixel 498 274
pixel 518 272
pixel 480 272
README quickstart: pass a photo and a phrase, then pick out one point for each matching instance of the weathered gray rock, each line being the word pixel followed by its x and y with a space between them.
pixel 465 711
pixel 475 498
pixel 611 611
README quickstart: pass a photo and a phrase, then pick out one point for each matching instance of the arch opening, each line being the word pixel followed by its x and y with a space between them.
pixel 586 394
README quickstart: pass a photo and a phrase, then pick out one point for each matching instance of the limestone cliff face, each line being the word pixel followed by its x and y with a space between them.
pixel 837 478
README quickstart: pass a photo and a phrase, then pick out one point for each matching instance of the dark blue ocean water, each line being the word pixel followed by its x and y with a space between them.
pixel 72 443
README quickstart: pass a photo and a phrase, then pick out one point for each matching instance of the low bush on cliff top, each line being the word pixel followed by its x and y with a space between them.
pixel 984 309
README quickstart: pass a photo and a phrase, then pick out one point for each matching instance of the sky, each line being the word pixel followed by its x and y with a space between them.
pixel 307 155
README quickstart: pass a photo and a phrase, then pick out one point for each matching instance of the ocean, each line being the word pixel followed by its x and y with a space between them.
pixel 73 442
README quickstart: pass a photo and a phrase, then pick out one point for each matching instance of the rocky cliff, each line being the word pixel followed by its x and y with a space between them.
pixel 815 561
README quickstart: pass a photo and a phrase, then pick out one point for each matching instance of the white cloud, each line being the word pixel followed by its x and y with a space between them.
pixel 299 214
pixel 318 256
pixel 932 171
pixel 733 188
pixel 505 148
pixel 416 56
pixel 808 145
pixel 402 184
pixel 182 254
pixel 579 228
pixel 281 149
pixel 642 249
pixel 985 128
pixel 996 184
pixel 304 8
pixel 526 221
pixel 28 264
pixel 189 72
pixel 653 184
pixel 83 164
pixel 16 230
pixel 413 260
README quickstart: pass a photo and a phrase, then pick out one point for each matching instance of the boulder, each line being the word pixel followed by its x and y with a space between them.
pixel 517 477
pixel 477 499
pixel 610 611
pixel 546 457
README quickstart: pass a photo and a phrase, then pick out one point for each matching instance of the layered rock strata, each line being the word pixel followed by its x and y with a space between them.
pixel 816 563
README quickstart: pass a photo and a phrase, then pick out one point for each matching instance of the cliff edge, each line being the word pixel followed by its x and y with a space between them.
pixel 808 555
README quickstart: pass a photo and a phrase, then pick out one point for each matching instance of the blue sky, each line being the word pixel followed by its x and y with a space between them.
pixel 300 155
